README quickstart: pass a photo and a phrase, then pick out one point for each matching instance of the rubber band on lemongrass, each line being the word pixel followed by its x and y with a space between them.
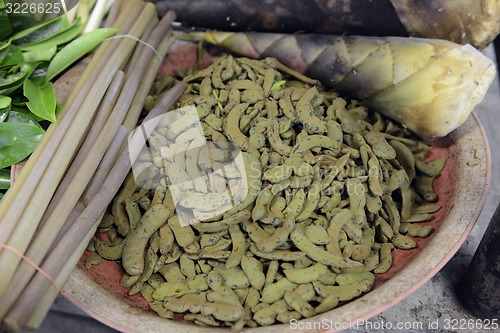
pixel 140 41
pixel 32 264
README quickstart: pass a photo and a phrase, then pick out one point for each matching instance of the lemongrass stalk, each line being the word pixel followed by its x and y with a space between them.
pixel 79 207
pixel 38 315
pixel 32 214
pixel 63 208
pixel 99 177
pixel 47 232
pixel 83 10
pixel 92 154
pixel 19 313
pixel 97 15
pixel 10 210
pixel 106 164
pixel 71 14
pixel 107 105
pixel 30 178
pixel 134 113
pixel 138 50
pixel 113 13
pixel 152 41
pixel 136 108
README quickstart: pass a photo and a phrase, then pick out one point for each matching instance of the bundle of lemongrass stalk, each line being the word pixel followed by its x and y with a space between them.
pixel 49 215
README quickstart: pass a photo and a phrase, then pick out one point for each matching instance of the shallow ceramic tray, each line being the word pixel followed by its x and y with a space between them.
pixel 461 188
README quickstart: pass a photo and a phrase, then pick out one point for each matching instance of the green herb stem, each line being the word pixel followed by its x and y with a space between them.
pixel 22 309
pixel 133 115
pixel 43 307
pixel 60 159
pixel 4 179
pixel 107 105
pixel 47 229
pixel 138 50
pixel 113 13
pixel 106 164
pixel 28 179
pixel 95 184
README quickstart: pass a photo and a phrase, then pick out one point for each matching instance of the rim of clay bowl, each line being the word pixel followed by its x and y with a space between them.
pixel 469 194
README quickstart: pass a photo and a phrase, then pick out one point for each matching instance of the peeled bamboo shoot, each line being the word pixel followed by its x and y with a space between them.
pixel 462 21
pixel 429 85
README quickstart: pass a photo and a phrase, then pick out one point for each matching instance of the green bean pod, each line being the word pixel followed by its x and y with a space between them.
pixel 109 251
pixel 184 235
pixel 177 289
pixel 385 259
pixel 135 243
pixel 316 253
pixel 239 246
pixel 298 304
pixel 254 271
pixel 306 115
pixel 306 275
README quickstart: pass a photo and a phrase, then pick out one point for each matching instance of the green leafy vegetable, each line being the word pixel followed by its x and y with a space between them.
pixel 77 49
pixel 4 45
pixel 41 32
pixel 12 79
pixel 41 99
pixel 62 38
pixel 4 22
pixel 278 84
pixel 17 141
pixel 42 53
pixel 23 109
pixel 4 179
pixel 10 56
pixel 5 101
pixel 22 117
pixel 27 97
pixel 4 113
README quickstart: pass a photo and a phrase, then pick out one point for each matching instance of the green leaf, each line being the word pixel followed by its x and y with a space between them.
pixel 10 56
pixel 60 39
pixel 5 44
pixel 21 117
pixel 5 106
pixel 40 54
pixel 4 179
pixel 41 99
pixel 6 28
pixel 5 101
pixel 20 22
pixel 41 32
pixel 4 113
pixel 23 109
pixel 77 49
pixel 278 84
pixel 17 141
pixel 13 79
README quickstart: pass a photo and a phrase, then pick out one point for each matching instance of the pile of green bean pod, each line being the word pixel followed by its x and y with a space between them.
pixel 335 189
